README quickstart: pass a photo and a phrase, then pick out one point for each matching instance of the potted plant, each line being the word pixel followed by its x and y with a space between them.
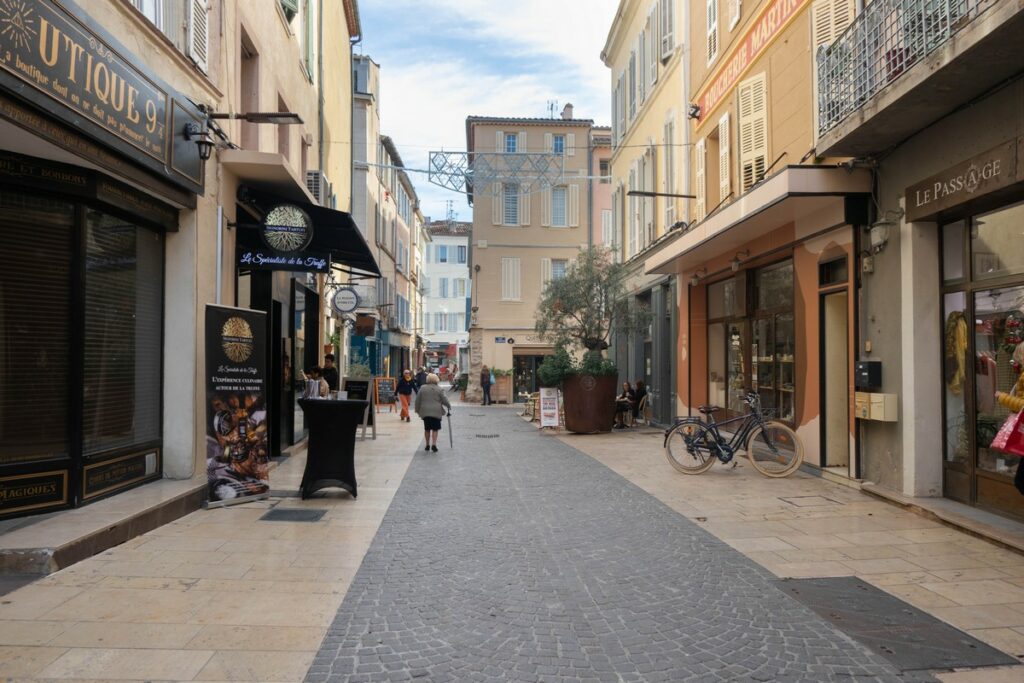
pixel 577 313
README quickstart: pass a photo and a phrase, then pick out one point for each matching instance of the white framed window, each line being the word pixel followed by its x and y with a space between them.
pixel 443 285
pixel 461 258
pixel 510 204
pixel 459 290
pixel 453 322
pixel 153 10
pixel 735 9
pixel 558 144
pixel 632 85
pixel 712 30
pixel 559 267
pixel 442 253
pixel 511 143
pixel 559 217
pixel 604 167
pixel 510 282
pixel 670 171
pixel 440 323
pixel 667 16
pixel 753 129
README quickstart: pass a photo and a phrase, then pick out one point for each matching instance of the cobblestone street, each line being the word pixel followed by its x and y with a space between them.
pixel 516 557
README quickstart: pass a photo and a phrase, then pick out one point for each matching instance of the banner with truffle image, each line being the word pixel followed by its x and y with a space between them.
pixel 236 405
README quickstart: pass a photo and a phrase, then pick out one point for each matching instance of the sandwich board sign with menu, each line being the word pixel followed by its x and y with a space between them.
pixel 385 392
pixel 237 455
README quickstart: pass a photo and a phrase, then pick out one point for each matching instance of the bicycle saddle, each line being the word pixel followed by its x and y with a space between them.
pixel 708 410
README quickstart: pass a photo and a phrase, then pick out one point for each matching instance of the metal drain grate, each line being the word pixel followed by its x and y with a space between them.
pixel 293 515
pixel 477 414
pixel 487 436
pixel 909 638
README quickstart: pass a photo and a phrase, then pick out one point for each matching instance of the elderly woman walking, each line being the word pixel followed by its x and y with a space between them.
pixel 430 405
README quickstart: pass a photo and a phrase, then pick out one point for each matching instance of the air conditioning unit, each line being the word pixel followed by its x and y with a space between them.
pixel 319 186
pixel 392 322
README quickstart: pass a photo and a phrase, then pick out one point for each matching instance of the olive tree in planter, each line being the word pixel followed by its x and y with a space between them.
pixel 578 312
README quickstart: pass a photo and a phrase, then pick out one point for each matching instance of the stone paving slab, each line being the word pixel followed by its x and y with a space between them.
pixel 519 558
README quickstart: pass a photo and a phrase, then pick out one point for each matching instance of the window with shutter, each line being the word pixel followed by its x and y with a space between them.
pixel 309 37
pixel 699 179
pixel 829 19
pixel 198 30
pixel 667 15
pixel 549 143
pixel 712 30
pixel 606 226
pixel 753 130
pixel 724 188
pixel 641 51
pixel 497 195
pixel 499 141
pixel 511 143
pixel 650 203
pixel 632 85
pixel 631 218
pixel 524 207
pixel 559 267
pixel 653 51
pixel 510 205
pixel 570 144
pixel 545 272
pixel 670 172
pixel 443 285
pixel 622 105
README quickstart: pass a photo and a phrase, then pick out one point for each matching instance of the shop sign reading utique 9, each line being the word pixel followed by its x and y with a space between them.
pixel 48 48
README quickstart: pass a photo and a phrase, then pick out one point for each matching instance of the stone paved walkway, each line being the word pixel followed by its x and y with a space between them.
pixel 518 558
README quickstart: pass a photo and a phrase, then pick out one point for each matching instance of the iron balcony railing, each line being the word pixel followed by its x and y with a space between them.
pixel 885 40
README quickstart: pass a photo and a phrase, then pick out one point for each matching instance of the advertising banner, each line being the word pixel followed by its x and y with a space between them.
pixel 236 405
pixel 548 407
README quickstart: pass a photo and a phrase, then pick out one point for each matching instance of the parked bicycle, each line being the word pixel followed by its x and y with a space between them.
pixel 692 446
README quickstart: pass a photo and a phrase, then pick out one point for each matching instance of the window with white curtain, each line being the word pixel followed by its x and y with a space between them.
pixel 558 211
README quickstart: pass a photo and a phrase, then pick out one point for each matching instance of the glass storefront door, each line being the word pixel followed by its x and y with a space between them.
pixel 983 353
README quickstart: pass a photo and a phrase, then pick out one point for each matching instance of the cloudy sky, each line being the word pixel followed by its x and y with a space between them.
pixel 442 60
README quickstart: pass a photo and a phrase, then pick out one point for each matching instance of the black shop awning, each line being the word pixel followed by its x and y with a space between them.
pixel 334 232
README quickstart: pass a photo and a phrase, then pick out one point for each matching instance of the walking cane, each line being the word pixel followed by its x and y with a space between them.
pixel 451 439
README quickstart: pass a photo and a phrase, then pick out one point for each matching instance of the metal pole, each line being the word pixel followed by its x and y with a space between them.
pixel 220 248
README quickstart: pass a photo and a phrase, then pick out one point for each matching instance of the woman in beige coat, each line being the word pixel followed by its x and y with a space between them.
pixel 430 405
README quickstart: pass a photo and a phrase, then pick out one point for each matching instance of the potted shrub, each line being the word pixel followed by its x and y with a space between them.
pixel 501 392
pixel 577 313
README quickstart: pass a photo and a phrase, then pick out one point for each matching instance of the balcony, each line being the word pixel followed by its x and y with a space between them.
pixel 903 64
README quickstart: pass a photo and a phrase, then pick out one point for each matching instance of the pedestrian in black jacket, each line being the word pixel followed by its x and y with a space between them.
pixel 405 387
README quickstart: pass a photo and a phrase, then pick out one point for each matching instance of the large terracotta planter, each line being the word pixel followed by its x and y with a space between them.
pixel 589 403
pixel 501 390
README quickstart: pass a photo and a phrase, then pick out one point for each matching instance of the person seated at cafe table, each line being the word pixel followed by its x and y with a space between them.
pixel 624 403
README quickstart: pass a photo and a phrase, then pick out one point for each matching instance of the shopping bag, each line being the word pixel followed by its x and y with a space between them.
pixel 1010 438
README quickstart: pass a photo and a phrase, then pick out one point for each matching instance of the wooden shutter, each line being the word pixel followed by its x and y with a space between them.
pixel 198 34
pixel 524 207
pixel 497 203
pixel 652 45
pixel 712 29
pixel 829 18
pixel 499 144
pixel 570 144
pixel 699 175
pixel 545 272
pixel 650 203
pixel 723 157
pixel 549 143
pixel 753 130
pixel 545 207
pixel 521 147
pixel 668 42
pixel 573 205
pixel 641 67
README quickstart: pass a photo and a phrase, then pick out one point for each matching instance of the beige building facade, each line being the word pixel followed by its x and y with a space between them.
pixel 644 52
pixel 765 257
pixel 521 240
pixel 178 72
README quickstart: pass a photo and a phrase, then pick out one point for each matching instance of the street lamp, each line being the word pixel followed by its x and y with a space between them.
pixel 645 193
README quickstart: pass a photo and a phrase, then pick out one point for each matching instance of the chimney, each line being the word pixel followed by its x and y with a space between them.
pixel 567 112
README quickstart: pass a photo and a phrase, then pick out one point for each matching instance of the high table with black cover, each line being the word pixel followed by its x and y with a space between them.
pixel 330 451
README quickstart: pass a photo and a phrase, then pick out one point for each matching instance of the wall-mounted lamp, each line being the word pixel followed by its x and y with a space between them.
pixel 277 118
pixel 738 259
pixel 698 276
pixel 201 136
pixel 693 111
pixel 879 231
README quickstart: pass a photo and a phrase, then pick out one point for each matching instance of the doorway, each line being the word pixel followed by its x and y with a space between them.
pixel 835 373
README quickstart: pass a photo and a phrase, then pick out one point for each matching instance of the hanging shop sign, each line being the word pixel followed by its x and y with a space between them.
pixel 236 405
pixel 968 180
pixel 268 259
pixel 79 74
pixel 287 229
pixel 345 300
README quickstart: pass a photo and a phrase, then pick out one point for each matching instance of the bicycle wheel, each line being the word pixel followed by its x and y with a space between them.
pixel 689 447
pixel 775 450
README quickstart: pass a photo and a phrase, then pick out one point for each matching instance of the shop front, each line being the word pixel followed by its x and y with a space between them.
pixel 770 307
pixel 94 169
pixel 982 298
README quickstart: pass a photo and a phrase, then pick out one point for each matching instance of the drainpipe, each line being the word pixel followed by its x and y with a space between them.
pixel 590 188
pixel 220 250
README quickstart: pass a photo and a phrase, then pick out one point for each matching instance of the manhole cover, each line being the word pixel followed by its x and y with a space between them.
pixel 477 414
pixel 293 515
pixel 909 638
pixel 487 436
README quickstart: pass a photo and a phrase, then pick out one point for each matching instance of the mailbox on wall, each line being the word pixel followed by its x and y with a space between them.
pixel 867 375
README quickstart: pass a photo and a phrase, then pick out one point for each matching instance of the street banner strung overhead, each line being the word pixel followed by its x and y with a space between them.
pixel 236 405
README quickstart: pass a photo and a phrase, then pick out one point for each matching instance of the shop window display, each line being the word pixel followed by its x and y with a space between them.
pixel 999 351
